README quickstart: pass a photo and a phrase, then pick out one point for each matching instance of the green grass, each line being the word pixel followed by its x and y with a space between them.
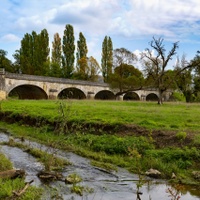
pixel 8 186
pixel 132 152
pixel 177 116
pixel 5 164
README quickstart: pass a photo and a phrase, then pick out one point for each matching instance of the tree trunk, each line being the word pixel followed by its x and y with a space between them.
pixel 160 97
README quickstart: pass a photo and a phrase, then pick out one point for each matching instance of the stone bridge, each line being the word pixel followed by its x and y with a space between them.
pixel 24 86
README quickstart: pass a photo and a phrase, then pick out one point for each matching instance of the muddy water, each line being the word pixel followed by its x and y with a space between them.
pixel 107 186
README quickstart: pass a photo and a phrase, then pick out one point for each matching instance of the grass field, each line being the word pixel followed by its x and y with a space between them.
pixel 174 125
pixel 177 116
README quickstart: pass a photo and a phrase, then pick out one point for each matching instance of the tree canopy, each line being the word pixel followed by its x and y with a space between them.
pixel 107 58
pixel 68 51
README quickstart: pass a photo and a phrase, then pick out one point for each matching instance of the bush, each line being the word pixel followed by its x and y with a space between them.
pixel 177 96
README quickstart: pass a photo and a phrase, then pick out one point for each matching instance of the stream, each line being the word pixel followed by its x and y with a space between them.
pixel 106 186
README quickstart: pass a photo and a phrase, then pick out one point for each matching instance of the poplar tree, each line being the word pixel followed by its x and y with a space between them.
pixel 34 53
pixel 81 55
pixel 107 58
pixel 26 55
pixel 5 62
pixel 81 47
pixel 56 56
pixel 43 43
pixel 68 51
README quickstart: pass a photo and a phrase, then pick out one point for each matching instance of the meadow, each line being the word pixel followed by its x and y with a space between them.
pixel 164 137
pixel 178 116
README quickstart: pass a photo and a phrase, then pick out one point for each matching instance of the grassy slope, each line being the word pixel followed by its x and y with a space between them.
pixel 178 116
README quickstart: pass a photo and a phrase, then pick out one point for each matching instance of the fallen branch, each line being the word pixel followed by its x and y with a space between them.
pixel 13 173
pixel 23 190
pixel 50 175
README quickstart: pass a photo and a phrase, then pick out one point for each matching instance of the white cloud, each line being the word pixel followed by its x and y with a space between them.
pixel 171 19
pixel 10 38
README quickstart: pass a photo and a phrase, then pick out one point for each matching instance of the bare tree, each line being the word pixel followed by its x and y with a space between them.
pixel 155 66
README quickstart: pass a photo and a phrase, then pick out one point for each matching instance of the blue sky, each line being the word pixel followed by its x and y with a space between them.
pixel 130 23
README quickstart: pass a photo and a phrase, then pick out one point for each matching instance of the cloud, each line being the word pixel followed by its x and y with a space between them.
pixel 172 18
pixel 10 38
pixel 95 17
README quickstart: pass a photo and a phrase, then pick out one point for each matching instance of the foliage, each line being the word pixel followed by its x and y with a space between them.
pixel 33 53
pixel 107 58
pixel 56 57
pixel 68 48
pixel 81 47
pixel 5 62
pixel 177 96
pixel 88 69
pixel 184 80
pixel 126 78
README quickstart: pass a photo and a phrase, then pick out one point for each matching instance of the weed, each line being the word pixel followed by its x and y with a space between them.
pixel 5 164
pixel 78 189
pixel 64 114
pixel 73 179
pixel 174 192
pixel 181 135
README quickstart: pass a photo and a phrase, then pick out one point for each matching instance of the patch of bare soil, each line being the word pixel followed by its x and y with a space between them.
pixel 161 138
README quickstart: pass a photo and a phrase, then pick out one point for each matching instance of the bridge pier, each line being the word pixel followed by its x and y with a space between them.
pixel 2 84
pixel 120 97
pixel 90 95
pixel 52 94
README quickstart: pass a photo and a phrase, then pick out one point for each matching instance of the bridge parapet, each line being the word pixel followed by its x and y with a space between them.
pixel 53 79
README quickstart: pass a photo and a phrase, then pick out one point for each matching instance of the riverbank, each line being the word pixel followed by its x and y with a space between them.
pixel 134 135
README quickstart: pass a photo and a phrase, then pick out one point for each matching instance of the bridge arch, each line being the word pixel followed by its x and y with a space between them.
pixel 152 97
pixel 71 93
pixel 27 91
pixel 105 95
pixel 131 96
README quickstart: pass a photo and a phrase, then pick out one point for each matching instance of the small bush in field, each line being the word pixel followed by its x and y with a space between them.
pixel 181 135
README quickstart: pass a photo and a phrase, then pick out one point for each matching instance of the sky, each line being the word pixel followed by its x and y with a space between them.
pixel 131 24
